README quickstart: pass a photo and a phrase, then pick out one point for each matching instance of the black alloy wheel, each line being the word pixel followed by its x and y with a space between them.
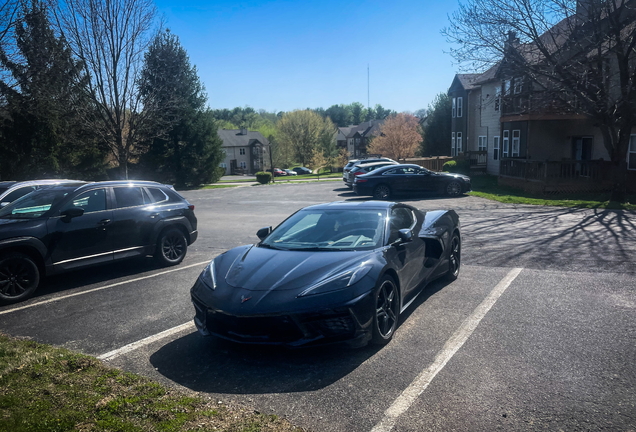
pixel 172 247
pixel 453 189
pixel 454 258
pixel 382 192
pixel 19 277
pixel 387 311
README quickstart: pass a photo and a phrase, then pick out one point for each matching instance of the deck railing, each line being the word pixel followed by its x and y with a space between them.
pixel 555 171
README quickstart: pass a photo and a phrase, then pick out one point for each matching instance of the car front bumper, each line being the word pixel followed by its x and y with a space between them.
pixel 348 323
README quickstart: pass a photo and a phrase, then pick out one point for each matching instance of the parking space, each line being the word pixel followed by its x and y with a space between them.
pixel 551 351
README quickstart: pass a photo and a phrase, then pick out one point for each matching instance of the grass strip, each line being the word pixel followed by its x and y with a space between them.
pixel 43 388
pixel 486 186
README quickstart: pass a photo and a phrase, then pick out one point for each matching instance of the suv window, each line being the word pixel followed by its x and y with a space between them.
pixel 18 193
pixel 157 195
pixel 130 197
pixel 91 201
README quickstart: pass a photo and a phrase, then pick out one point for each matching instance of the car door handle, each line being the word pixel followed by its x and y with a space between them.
pixel 154 215
pixel 103 222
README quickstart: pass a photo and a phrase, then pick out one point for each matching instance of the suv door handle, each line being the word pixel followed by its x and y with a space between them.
pixel 103 222
pixel 154 215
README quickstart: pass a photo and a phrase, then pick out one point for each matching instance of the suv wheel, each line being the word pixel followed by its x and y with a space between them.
pixel 171 247
pixel 19 277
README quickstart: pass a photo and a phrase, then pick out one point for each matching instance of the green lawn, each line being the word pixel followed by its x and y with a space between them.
pixel 486 186
pixel 43 388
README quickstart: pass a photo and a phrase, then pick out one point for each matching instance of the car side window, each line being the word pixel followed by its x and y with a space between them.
pixel 91 201
pixel 158 195
pixel 395 171
pixel 401 218
pixel 18 193
pixel 130 197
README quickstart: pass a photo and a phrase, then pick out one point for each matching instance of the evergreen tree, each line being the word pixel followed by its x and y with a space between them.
pixel 186 150
pixel 42 131
pixel 437 132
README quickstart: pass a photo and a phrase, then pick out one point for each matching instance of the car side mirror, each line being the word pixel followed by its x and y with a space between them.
pixel 405 235
pixel 263 232
pixel 72 212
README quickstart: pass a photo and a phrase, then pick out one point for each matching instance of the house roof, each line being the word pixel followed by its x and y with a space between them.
pixel 235 138
pixel 369 128
pixel 468 81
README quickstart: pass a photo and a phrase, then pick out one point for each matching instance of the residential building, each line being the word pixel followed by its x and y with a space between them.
pixel 246 152
pixel 355 138
pixel 522 133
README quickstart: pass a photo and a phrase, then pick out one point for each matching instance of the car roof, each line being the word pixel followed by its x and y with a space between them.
pixel 389 167
pixel 353 205
pixel 364 165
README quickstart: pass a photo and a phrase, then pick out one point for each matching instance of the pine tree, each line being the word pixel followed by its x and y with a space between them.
pixel 42 132
pixel 186 149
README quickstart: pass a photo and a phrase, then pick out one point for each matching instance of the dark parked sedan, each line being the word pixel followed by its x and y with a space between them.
pixel 383 183
pixel 74 225
pixel 329 273
pixel 302 170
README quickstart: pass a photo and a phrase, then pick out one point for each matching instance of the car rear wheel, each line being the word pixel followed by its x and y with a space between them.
pixel 454 258
pixel 387 311
pixel 171 248
pixel 453 189
pixel 19 277
pixel 382 192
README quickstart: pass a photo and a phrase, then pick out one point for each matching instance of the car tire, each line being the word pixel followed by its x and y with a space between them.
pixel 386 311
pixel 382 192
pixel 19 277
pixel 171 247
pixel 454 258
pixel 453 189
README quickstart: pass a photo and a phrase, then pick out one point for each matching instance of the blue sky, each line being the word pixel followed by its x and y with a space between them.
pixel 293 54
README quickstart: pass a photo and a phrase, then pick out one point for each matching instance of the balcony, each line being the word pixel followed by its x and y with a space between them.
pixel 556 177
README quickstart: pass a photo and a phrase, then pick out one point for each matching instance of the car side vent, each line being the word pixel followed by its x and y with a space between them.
pixel 433 248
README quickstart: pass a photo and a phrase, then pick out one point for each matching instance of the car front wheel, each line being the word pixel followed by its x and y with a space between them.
pixel 171 247
pixel 19 277
pixel 453 189
pixel 387 311
pixel 382 192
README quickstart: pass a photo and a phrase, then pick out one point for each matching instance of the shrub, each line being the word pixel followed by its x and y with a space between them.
pixel 263 177
pixel 461 166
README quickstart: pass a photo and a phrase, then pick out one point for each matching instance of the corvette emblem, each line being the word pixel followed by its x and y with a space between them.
pixel 244 299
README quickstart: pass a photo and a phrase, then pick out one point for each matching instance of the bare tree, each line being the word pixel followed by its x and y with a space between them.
pixel 399 137
pixel 110 37
pixel 580 53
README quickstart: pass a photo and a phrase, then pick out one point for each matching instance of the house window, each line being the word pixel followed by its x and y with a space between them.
pixel 506 87
pixel 454 108
pixel 495 148
pixel 497 98
pixel 631 153
pixel 506 143
pixel 517 85
pixel 452 143
pixel 482 144
pixel 223 165
pixel 460 102
pixel 516 139
pixel 243 164
pixel 458 147
pixel 241 151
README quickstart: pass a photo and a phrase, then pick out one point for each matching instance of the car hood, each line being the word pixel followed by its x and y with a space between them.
pixel 262 269
pixel 454 175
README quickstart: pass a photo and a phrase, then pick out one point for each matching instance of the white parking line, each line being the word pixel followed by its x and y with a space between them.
pixel 98 289
pixel 421 382
pixel 145 341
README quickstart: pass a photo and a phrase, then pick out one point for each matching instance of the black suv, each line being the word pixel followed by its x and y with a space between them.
pixel 77 224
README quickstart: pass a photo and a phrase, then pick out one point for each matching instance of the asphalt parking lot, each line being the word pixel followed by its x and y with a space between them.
pixel 538 332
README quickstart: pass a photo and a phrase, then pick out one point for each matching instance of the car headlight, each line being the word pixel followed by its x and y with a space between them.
pixel 208 276
pixel 339 281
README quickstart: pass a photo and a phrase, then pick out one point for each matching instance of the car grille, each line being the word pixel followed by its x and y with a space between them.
pixel 332 327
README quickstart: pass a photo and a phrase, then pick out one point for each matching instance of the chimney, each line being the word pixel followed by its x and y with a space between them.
pixel 243 131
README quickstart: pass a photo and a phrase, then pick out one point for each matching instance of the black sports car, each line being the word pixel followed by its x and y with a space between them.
pixel 385 182
pixel 342 271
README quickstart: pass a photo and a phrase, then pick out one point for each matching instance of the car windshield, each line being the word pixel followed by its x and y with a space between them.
pixel 329 230
pixel 3 190
pixel 35 204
